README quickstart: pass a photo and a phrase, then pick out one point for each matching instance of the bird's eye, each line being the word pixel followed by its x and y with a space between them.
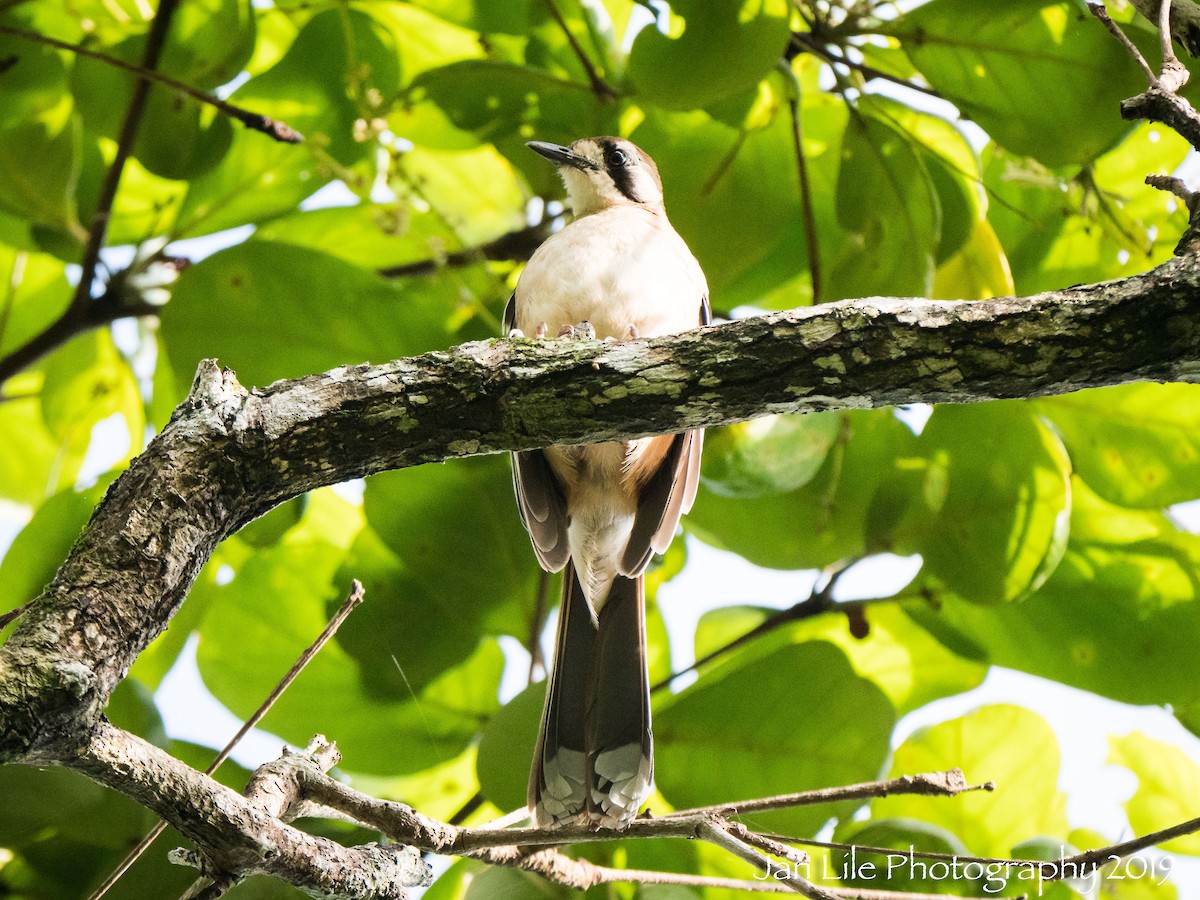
pixel 617 158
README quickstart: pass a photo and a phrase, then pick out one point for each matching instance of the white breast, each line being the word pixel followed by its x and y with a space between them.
pixel 623 266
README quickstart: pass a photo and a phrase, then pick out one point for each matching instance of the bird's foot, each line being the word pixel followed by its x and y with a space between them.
pixel 584 331
pixel 516 333
pixel 540 331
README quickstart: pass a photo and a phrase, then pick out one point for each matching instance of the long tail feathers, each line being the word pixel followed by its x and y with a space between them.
pixel 594 756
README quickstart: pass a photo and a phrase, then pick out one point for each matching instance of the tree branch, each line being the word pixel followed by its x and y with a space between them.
pixel 229 455
pixel 272 128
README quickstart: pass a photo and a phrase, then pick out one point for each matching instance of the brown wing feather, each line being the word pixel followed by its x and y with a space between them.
pixel 543 508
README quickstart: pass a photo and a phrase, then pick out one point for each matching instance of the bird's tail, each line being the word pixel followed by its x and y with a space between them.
pixel 594 757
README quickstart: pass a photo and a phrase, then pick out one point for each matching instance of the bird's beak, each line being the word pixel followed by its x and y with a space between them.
pixel 560 155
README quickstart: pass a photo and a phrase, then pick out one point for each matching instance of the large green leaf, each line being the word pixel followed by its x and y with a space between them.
pixel 274 310
pixel 666 68
pixel 341 67
pixel 277 602
pixel 834 731
pixel 825 520
pixel 1023 68
pixel 769 455
pixel 887 205
pixel 745 179
pixel 911 668
pixel 1101 223
pixel 990 823
pixel 1168 787
pixel 1117 617
pixel 999 491
pixel 424 523
pixel 1135 444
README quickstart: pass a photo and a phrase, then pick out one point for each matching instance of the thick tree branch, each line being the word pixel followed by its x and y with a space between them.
pixel 229 455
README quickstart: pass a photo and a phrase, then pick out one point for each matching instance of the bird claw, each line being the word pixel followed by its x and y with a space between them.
pixel 516 333
pixel 631 332
pixel 540 331
pixel 584 331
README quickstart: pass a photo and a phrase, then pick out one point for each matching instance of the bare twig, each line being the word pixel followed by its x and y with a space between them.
pixel 13 614
pixel 820 600
pixel 273 128
pixel 1173 75
pixel 931 784
pixel 515 246
pixel 1100 11
pixel 805 42
pixel 352 601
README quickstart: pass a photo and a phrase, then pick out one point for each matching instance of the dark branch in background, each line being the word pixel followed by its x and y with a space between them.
pixel 601 88
pixel 803 42
pixel 516 246
pixel 811 237
pixel 819 601
pixel 273 128
pixel 78 315
pixel 85 312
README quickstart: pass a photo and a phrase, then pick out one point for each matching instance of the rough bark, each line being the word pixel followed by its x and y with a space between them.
pixel 228 455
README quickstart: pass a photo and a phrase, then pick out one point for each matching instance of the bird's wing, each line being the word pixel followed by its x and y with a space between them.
pixel 539 496
pixel 668 494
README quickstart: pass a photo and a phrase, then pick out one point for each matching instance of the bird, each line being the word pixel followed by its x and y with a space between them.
pixel 617 271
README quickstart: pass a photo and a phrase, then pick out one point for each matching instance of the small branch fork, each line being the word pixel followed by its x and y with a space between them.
pixel 1161 102
pixel 296 785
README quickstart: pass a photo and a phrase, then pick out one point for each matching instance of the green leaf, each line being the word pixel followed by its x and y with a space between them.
pixel 377 733
pixel 1168 787
pixel 33 463
pixel 34 293
pixel 820 523
pixel 999 492
pixel 769 455
pixel 220 306
pixel 496 883
pixel 977 271
pixel 890 211
pixel 40 161
pixel 990 823
pixel 506 748
pixel 1023 69
pixel 86 381
pixel 428 517
pixel 752 35
pixel 341 67
pixel 744 179
pixel 908 664
pixel 1136 444
pixel 835 731
pixel 1102 223
pixel 41 546
pixel 1115 618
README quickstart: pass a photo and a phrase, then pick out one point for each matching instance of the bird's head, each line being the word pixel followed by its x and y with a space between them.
pixel 602 172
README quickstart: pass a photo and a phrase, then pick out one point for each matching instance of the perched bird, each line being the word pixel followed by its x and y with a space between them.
pixel 600 511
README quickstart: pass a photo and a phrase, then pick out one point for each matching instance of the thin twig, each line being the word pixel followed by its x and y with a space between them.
pixel 802 41
pixel 13 614
pixel 935 784
pixel 352 601
pixel 112 178
pixel 600 87
pixel 1100 11
pixel 819 600
pixel 273 128
pixel 1173 74
pixel 811 237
